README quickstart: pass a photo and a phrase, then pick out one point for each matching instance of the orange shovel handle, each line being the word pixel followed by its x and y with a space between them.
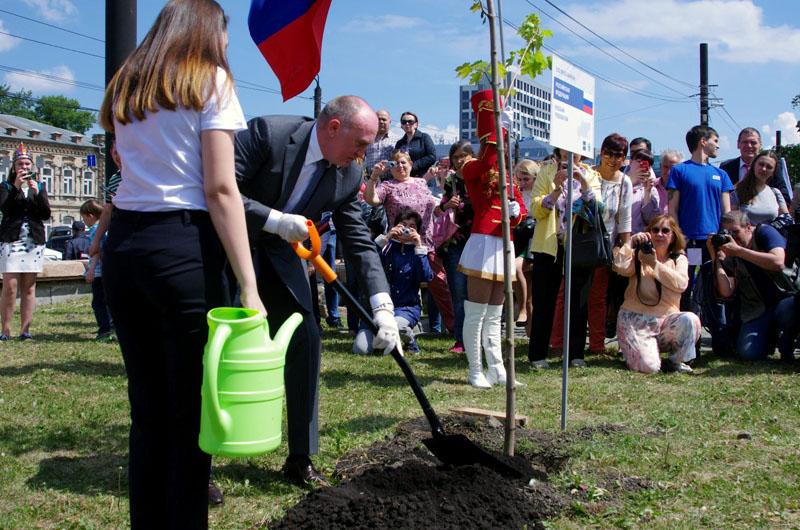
pixel 313 255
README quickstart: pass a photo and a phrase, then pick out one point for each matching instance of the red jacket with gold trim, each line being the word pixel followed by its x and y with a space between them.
pixel 488 216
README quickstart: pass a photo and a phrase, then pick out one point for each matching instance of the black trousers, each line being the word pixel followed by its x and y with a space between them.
pixel 162 273
pixel 547 273
pixel 301 372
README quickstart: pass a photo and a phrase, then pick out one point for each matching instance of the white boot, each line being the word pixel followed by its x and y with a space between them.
pixel 492 349
pixel 473 320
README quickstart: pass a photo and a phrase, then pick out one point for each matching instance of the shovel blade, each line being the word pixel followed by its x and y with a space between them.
pixel 458 450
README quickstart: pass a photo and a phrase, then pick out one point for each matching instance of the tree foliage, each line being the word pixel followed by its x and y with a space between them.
pixel 796 102
pixel 528 61
pixel 792 155
pixel 58 111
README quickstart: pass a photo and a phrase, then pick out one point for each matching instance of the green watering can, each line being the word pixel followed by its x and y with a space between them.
pixel 243 383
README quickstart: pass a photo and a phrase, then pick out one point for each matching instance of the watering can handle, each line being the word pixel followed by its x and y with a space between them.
pixel 313 255
pixel 221 418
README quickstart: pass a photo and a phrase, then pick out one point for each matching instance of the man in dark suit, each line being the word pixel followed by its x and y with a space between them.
pixel 749 145
pixel 290 168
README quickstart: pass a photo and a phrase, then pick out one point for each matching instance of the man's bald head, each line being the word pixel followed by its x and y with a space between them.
pixel 345 128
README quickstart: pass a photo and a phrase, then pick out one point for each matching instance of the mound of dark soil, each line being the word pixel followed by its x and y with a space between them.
pixel 397 483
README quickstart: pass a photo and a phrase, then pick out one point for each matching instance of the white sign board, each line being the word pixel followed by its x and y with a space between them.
pixel 572 107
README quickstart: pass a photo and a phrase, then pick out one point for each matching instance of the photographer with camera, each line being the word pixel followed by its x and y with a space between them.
pixel 650 319
pixel 405 260
pixel 25 208
pixel 749 264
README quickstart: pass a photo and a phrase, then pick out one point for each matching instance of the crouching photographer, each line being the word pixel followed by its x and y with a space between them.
pixel 650 320
pixel 749 264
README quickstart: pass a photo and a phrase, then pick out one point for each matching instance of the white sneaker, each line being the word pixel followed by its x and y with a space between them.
pixel 683 368
pixel 577 363
pixel 539 365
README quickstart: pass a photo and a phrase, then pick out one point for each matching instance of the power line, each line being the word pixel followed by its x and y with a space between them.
pixel 725 119
pixel 53 45
pixel 599 119
pixel 53 78
pixel 50 25
pixel 605 52
pixel 615 46
pixel 619 84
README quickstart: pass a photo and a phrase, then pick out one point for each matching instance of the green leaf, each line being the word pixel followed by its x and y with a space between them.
pixel 476 6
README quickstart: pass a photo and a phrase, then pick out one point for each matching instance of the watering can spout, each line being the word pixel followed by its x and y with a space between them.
pixel 285 332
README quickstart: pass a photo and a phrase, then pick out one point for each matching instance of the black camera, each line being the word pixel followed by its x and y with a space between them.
pixel 645 247
pixel 720 238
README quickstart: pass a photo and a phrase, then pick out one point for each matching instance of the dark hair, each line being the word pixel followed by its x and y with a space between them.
pixel 746 188
pixel 748 130
pixel 174 66
pixel 615 142
pixel 462 145
pixel 642 140
pixel 409 112
pixel 643 154
pixel 697 133
pixel 407 213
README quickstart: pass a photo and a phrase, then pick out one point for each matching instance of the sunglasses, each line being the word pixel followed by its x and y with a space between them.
pixel 408 122
pixel 665 230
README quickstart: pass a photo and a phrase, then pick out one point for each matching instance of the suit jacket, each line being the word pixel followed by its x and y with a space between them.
pixel 269 156
pixel 15 205
pixel 731 167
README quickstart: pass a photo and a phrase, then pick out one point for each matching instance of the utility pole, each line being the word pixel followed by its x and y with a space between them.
pixel 317 99
pixel 777 139
pixel 120 42
pixel 703 83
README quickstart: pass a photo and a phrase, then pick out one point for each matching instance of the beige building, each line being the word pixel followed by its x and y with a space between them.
pixel 61 159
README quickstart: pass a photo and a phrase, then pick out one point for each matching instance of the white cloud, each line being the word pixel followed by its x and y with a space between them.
pixel 54 10
pixel 786 122
pixel 6 42
pixel 40 84
pixel 734 29
pixel 447 134
pixel 364 24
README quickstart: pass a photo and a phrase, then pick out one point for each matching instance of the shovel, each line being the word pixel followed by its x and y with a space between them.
pixel 452 449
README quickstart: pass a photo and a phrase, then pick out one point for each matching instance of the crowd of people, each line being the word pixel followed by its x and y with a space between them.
pixel 210 220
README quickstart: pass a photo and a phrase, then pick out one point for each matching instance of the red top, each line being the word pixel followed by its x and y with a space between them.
pixel 488 216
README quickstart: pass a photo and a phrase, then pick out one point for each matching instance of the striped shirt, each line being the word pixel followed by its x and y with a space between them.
pixel 112 183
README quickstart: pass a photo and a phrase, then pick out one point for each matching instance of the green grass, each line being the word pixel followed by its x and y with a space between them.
pixel 64 420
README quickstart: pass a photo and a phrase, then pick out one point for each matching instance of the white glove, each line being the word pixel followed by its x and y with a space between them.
pixel 388 333
pixel 513 209
pixel 288 226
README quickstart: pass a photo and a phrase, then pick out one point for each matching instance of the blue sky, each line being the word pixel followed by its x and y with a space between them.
pixel 401 55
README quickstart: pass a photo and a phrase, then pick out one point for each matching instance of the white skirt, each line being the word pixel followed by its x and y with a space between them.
pixel 23 255
pixel 483 258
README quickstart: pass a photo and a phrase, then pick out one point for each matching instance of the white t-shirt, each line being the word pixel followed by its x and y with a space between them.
pixel 162 167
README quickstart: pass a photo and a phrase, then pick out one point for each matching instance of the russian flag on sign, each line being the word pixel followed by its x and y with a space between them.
pixel 588 108
pixel 289 35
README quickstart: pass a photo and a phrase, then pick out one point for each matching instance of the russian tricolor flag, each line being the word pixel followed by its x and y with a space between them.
pixel 588 107
pixel 289 35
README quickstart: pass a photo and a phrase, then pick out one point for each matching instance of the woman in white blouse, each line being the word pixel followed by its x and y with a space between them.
pixel 178 212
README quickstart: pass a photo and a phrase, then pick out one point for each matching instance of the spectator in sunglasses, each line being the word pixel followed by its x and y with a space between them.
pixel 418 144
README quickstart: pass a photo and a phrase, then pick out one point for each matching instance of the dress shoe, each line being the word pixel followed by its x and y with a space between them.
pixel 215 497
pixel 301 471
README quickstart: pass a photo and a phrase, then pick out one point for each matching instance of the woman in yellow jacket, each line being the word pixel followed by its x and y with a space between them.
pixel 549 208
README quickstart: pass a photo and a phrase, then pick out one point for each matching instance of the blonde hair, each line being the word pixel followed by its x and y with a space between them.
pixel 175 65
pixel 527 166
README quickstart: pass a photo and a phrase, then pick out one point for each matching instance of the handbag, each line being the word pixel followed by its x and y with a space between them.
pixel 591 244
pixel 444 227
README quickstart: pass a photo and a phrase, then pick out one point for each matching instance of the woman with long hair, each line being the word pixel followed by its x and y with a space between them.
pixel 25 208
pixel 482 258
pixel 455 198
pixel 178 212
pixel 650 320
pixel 754 196
pixel 525 173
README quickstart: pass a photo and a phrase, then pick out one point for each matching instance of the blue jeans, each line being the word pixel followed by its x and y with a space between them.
pixel 101 313
pixel 458 285
pixel 331 294
pixel 758 337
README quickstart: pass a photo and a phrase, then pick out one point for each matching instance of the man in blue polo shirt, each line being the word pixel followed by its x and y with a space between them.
pixel 699 194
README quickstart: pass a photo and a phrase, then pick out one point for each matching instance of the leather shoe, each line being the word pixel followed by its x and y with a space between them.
pixel 215 497
pixel 301 471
